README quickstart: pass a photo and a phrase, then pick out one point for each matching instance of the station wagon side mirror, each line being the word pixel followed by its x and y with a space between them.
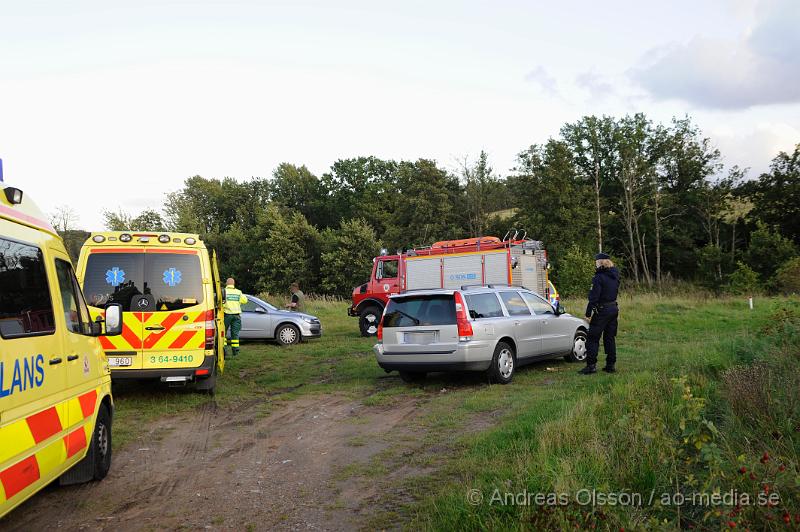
pixel 113 320
pixel 559 309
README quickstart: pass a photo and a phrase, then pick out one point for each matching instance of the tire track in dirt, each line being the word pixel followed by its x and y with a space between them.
pixel 232 468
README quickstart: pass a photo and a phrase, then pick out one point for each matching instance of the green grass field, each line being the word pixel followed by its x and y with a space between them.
pixel 705 388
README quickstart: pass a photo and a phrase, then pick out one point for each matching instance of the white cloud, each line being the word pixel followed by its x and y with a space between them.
pixel 762 143
pixel 761 67
pixel 544 79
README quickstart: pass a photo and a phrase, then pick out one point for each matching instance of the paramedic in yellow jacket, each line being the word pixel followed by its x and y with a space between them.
pixel 234 299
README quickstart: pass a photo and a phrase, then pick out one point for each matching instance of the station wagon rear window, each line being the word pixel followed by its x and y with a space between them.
pixel 411 311
pixel 25 305
pixel 174 280
pixel 484 306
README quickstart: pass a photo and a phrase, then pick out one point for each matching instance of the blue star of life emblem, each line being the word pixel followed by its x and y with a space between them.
pixel 115 276
pixel 172 277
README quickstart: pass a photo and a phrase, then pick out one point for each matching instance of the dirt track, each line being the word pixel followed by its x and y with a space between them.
pixel 239 469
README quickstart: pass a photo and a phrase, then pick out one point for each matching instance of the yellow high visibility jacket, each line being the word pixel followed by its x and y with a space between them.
pixel 234 299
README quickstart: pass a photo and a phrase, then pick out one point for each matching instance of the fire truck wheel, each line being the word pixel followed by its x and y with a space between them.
pixel 101 444
pixel 287 335
pixel 578 353
pixel 368 320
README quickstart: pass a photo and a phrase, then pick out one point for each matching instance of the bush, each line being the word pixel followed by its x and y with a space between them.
pixel 347 255
pixel 787 279
pixel 768 249
pixel 743 280
pixel 575 272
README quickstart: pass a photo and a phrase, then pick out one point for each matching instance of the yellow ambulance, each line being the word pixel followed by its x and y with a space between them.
pixel 55 385
pixel 169 287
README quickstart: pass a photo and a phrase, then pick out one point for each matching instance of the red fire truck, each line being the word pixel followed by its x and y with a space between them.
pixel 450 264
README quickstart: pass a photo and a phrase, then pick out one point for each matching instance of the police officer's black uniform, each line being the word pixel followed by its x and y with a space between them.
pixel 603 311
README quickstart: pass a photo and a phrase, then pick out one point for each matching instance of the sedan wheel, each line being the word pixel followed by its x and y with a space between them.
pixel 578 353
pixel 288 335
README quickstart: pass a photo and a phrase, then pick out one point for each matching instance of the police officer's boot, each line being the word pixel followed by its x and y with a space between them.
pixel 589 369
pixel 609 369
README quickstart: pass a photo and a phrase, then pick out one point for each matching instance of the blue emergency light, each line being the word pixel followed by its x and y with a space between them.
pixel 1 170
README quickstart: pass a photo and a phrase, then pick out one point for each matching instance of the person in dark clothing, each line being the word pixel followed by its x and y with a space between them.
pixel 602 313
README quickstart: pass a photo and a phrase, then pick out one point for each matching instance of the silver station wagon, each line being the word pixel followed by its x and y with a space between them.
pixel 492 328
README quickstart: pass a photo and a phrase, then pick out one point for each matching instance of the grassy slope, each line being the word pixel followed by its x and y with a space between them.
pixel 557 431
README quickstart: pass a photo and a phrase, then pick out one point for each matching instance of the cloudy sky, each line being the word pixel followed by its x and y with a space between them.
pixel 105 106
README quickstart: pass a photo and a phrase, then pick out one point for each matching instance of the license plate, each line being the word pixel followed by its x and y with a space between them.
pixel 120 361
pixel 422 338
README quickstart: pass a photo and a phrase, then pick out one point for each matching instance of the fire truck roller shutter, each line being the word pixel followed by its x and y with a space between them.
pixel 463 269
pixel 496 268
pixel 423 272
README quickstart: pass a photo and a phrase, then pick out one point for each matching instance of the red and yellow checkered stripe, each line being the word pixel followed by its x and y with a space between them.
pixel 25 434
pixel 175 335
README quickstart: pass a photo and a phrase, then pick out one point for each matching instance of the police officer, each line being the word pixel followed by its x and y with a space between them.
pixel 234 299
pixel 602 313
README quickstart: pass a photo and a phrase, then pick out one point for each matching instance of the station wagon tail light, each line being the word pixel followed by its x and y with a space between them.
pixel 462 320
pixel 211 329
pixel 380 330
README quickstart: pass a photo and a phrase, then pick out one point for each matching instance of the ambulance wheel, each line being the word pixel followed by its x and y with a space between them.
pixel 287 335
pixel 101 444
pixel 368 320
pixel 208 384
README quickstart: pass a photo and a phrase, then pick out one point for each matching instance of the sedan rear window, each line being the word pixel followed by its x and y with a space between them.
pixel 420 310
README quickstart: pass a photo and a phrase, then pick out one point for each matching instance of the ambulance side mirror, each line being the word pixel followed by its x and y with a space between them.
pixel 113 320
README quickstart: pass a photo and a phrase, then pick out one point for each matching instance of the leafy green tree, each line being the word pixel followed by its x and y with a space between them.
pixel 484 194
pixel 768 249
pixel 787 278
pixel 296 188
pixel 429 206
pixel 776 195
pixel 575 271
pixel 346 258
pixel 289 253
pixel 744 280
pixel 147 220
pixel 553 206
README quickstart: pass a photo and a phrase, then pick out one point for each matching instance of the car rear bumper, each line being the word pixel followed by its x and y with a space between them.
pixel 468 356
pixel 157 373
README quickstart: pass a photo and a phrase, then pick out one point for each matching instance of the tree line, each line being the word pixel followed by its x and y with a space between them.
pixel 655 196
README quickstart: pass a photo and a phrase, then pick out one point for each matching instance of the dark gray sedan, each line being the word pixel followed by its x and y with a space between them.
pixel 262 321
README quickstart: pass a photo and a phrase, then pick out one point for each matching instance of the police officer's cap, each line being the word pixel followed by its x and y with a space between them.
pixel 601 256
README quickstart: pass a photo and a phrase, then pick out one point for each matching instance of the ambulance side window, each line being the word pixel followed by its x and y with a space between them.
pixel 25 305
pixel 76 314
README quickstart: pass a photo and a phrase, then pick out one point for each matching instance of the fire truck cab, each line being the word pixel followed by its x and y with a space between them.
pixel 449 264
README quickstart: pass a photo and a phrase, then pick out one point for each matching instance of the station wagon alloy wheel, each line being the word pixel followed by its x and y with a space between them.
pixel 501 370
pixel 505 363
pixel 578 353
